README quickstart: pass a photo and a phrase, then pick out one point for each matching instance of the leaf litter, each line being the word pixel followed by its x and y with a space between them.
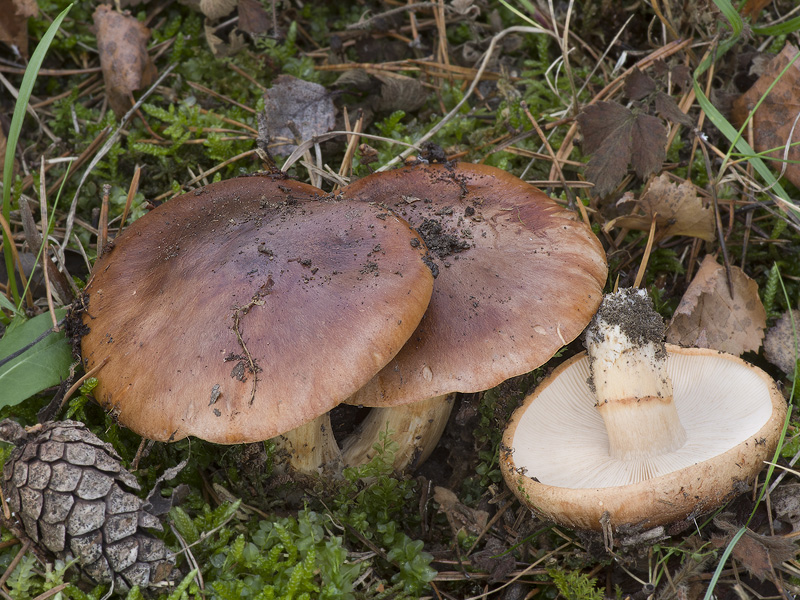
pixel 625 133
pixel 708 317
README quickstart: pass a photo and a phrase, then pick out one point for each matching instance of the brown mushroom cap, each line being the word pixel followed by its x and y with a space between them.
pixel 518 277
pixel 250 274
pixel 556 451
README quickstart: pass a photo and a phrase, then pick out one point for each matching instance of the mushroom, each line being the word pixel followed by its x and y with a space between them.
pixel 248 308
pixel 638 432
pixel 518 278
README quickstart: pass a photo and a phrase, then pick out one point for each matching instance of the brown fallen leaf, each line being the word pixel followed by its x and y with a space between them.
pixel 707 316
pixel 460 516
pixel 212 9
pixel 759 554
pixel 677 208
pixel 775 118
pixel 14 16
pixel 126 65
pixel 616 136
pixel 221 48
pixel 780 343
pixel 253 17
pixel 295 109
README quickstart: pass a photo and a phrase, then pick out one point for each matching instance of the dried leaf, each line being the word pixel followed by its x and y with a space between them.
pixel 460 516
pixel 606 129
pixel 780 343
pixel 494 559
pixel 616 136
pixel 757 553
pixel 677 208
pixel 292 103
pixel 253 17
pixel 14 23
pixel 774 119
pixel 216 9
pixel 649 145
pixel 707 316
pixel 399 92
pixel 126 65
pixel 219 47
pixel 668 109
pixel 638 85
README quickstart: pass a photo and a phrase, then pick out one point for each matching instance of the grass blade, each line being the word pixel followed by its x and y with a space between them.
pixel 25 89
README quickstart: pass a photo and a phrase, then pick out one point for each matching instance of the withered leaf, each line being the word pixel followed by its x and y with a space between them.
pixel 757 553
pixel 638 85
pixel 677 208
pixel 294 104
pixel 774 119
pixel 649 145
pixel 707 316
pixel 213 9
pixel 668 109
pixel 221 48
pixel 616 136
pixel 780 344
pixel 14 16
pixel 460 516
pixel 253 17
pixel 494 559
pixel 126 65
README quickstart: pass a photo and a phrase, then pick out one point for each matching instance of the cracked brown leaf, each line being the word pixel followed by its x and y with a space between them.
pixel 677 209
pixel 707 316
pixel 14 23
pixel 774 119
pixel 295 108
pixel 616 136
pixel 122 45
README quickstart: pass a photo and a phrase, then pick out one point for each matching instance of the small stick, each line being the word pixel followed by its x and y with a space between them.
pixel 80 381
pixel 646 256
pixel 15 254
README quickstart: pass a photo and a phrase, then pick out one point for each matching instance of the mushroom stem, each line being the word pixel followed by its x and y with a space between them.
pixel 309 449
pixel 628 366
pixel 416 428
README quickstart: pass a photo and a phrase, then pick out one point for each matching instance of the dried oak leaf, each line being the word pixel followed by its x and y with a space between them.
pixel 707 316
pixel 775 118
pixel 677 209
pixel 757 553
pixel 14 23
pixel 616 136
pixel 126 65
pixel 780 344
pixel 295 108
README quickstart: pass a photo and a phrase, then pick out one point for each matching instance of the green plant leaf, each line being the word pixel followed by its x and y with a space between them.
pixel 43 365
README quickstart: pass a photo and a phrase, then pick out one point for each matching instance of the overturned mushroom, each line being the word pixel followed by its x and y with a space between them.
pixel 249 307
pixel 639 432
pixel 518 277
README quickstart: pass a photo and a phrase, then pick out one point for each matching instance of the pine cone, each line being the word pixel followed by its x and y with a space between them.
pixel 68 489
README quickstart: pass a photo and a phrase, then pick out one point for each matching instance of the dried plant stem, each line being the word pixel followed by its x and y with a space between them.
pixel 45 247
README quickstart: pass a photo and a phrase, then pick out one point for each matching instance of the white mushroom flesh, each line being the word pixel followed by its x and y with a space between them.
pixel 561 440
